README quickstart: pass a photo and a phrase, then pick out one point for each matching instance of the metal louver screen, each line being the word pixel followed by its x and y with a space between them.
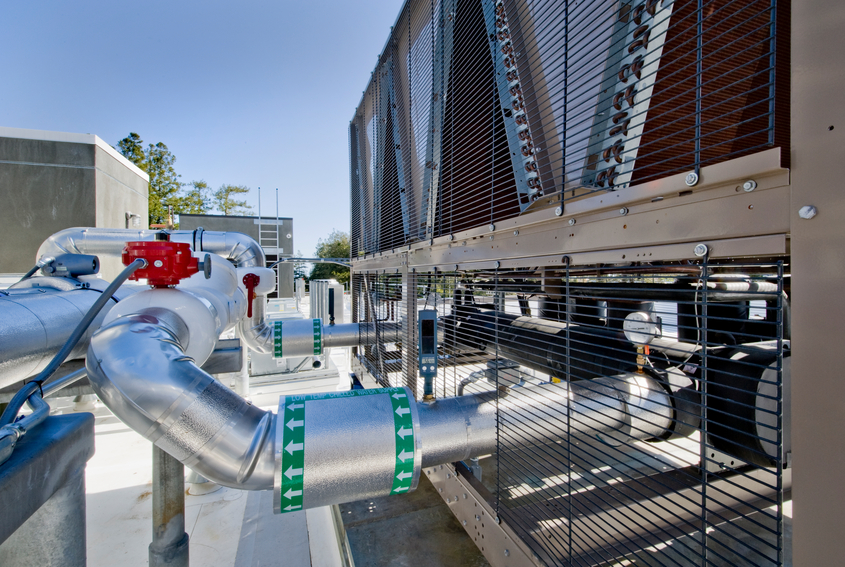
pixel 482 110
pixel 668 445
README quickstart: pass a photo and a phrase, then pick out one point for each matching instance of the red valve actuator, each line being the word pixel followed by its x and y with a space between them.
pixel 167 262
pixel 250 282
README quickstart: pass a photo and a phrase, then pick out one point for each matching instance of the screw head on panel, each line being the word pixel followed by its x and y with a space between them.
pixel 807 212
pixel 691 179
pixel 559 211
pixel 463 522
pixel 516 233
pixel 749 186
pixel 700 250
pixel 451 237
pixel 623 211
pixel 507 553
pixel 571 222
pixel 492 227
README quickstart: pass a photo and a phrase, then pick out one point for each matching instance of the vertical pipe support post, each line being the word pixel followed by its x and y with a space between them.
pixel 169 547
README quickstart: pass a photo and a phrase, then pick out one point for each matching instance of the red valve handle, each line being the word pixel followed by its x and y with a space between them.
pixel 251 282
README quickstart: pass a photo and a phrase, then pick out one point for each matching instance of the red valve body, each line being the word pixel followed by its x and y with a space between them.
pixel 250 282
pixel 167 262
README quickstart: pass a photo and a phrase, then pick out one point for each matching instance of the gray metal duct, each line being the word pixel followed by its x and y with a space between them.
pixel 35 323
pixel 239 248
pixel 339 447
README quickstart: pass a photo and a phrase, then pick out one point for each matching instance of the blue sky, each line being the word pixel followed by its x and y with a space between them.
pixel 253 93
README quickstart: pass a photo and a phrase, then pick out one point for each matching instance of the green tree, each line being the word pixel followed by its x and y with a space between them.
pixel 196 201
pixel 132 148
pixel 225 202
pixel 164 182
pixel 299 268
pixel 336 245
pixel 165 188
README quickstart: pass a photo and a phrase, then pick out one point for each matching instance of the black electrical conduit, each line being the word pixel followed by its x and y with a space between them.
pixel 40 264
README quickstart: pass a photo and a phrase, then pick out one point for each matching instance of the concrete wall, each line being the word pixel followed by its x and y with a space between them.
pixel 50 181
pixel 249 226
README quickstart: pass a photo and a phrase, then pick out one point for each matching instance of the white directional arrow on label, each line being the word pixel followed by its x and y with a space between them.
pixel 397 395
pixel 295 407
pixel 292 493
pixel 294 447
pixel 292 472
pixel 294 423
pixel 404 475
pixel 402 411
pixel 404 456
pixel 289 508
pixel 403 432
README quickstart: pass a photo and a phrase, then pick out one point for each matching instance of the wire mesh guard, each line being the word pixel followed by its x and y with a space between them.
pixel 666 439
pixel 478 108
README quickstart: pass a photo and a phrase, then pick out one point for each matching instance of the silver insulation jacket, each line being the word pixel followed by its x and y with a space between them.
pixel 35 323
pixel 239 248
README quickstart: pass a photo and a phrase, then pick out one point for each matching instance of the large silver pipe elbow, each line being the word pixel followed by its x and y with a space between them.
pixel 138 367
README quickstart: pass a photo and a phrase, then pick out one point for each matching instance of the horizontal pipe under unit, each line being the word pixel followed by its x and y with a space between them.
pixel 308 337
pixel 332 448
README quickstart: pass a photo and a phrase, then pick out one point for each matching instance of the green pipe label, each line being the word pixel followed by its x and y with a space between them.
pixel 318 337
pixel 292 469
pixel 293 455
pixel 277 339
pixel 403 428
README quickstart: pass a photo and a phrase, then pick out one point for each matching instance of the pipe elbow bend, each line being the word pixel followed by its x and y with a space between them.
pixel 138 368
pixel 257 334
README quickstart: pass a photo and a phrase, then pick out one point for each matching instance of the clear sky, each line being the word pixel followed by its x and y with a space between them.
pixel 248 92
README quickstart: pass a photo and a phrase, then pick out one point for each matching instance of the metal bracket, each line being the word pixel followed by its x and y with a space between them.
pixel 718 461
pixel 495 539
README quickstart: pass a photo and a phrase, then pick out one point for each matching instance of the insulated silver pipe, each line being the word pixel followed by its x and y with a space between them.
pixel 331 448
pixel 613 409
pixel 302 337
pixel 341 447
pixel 239 248
pixel 35 323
